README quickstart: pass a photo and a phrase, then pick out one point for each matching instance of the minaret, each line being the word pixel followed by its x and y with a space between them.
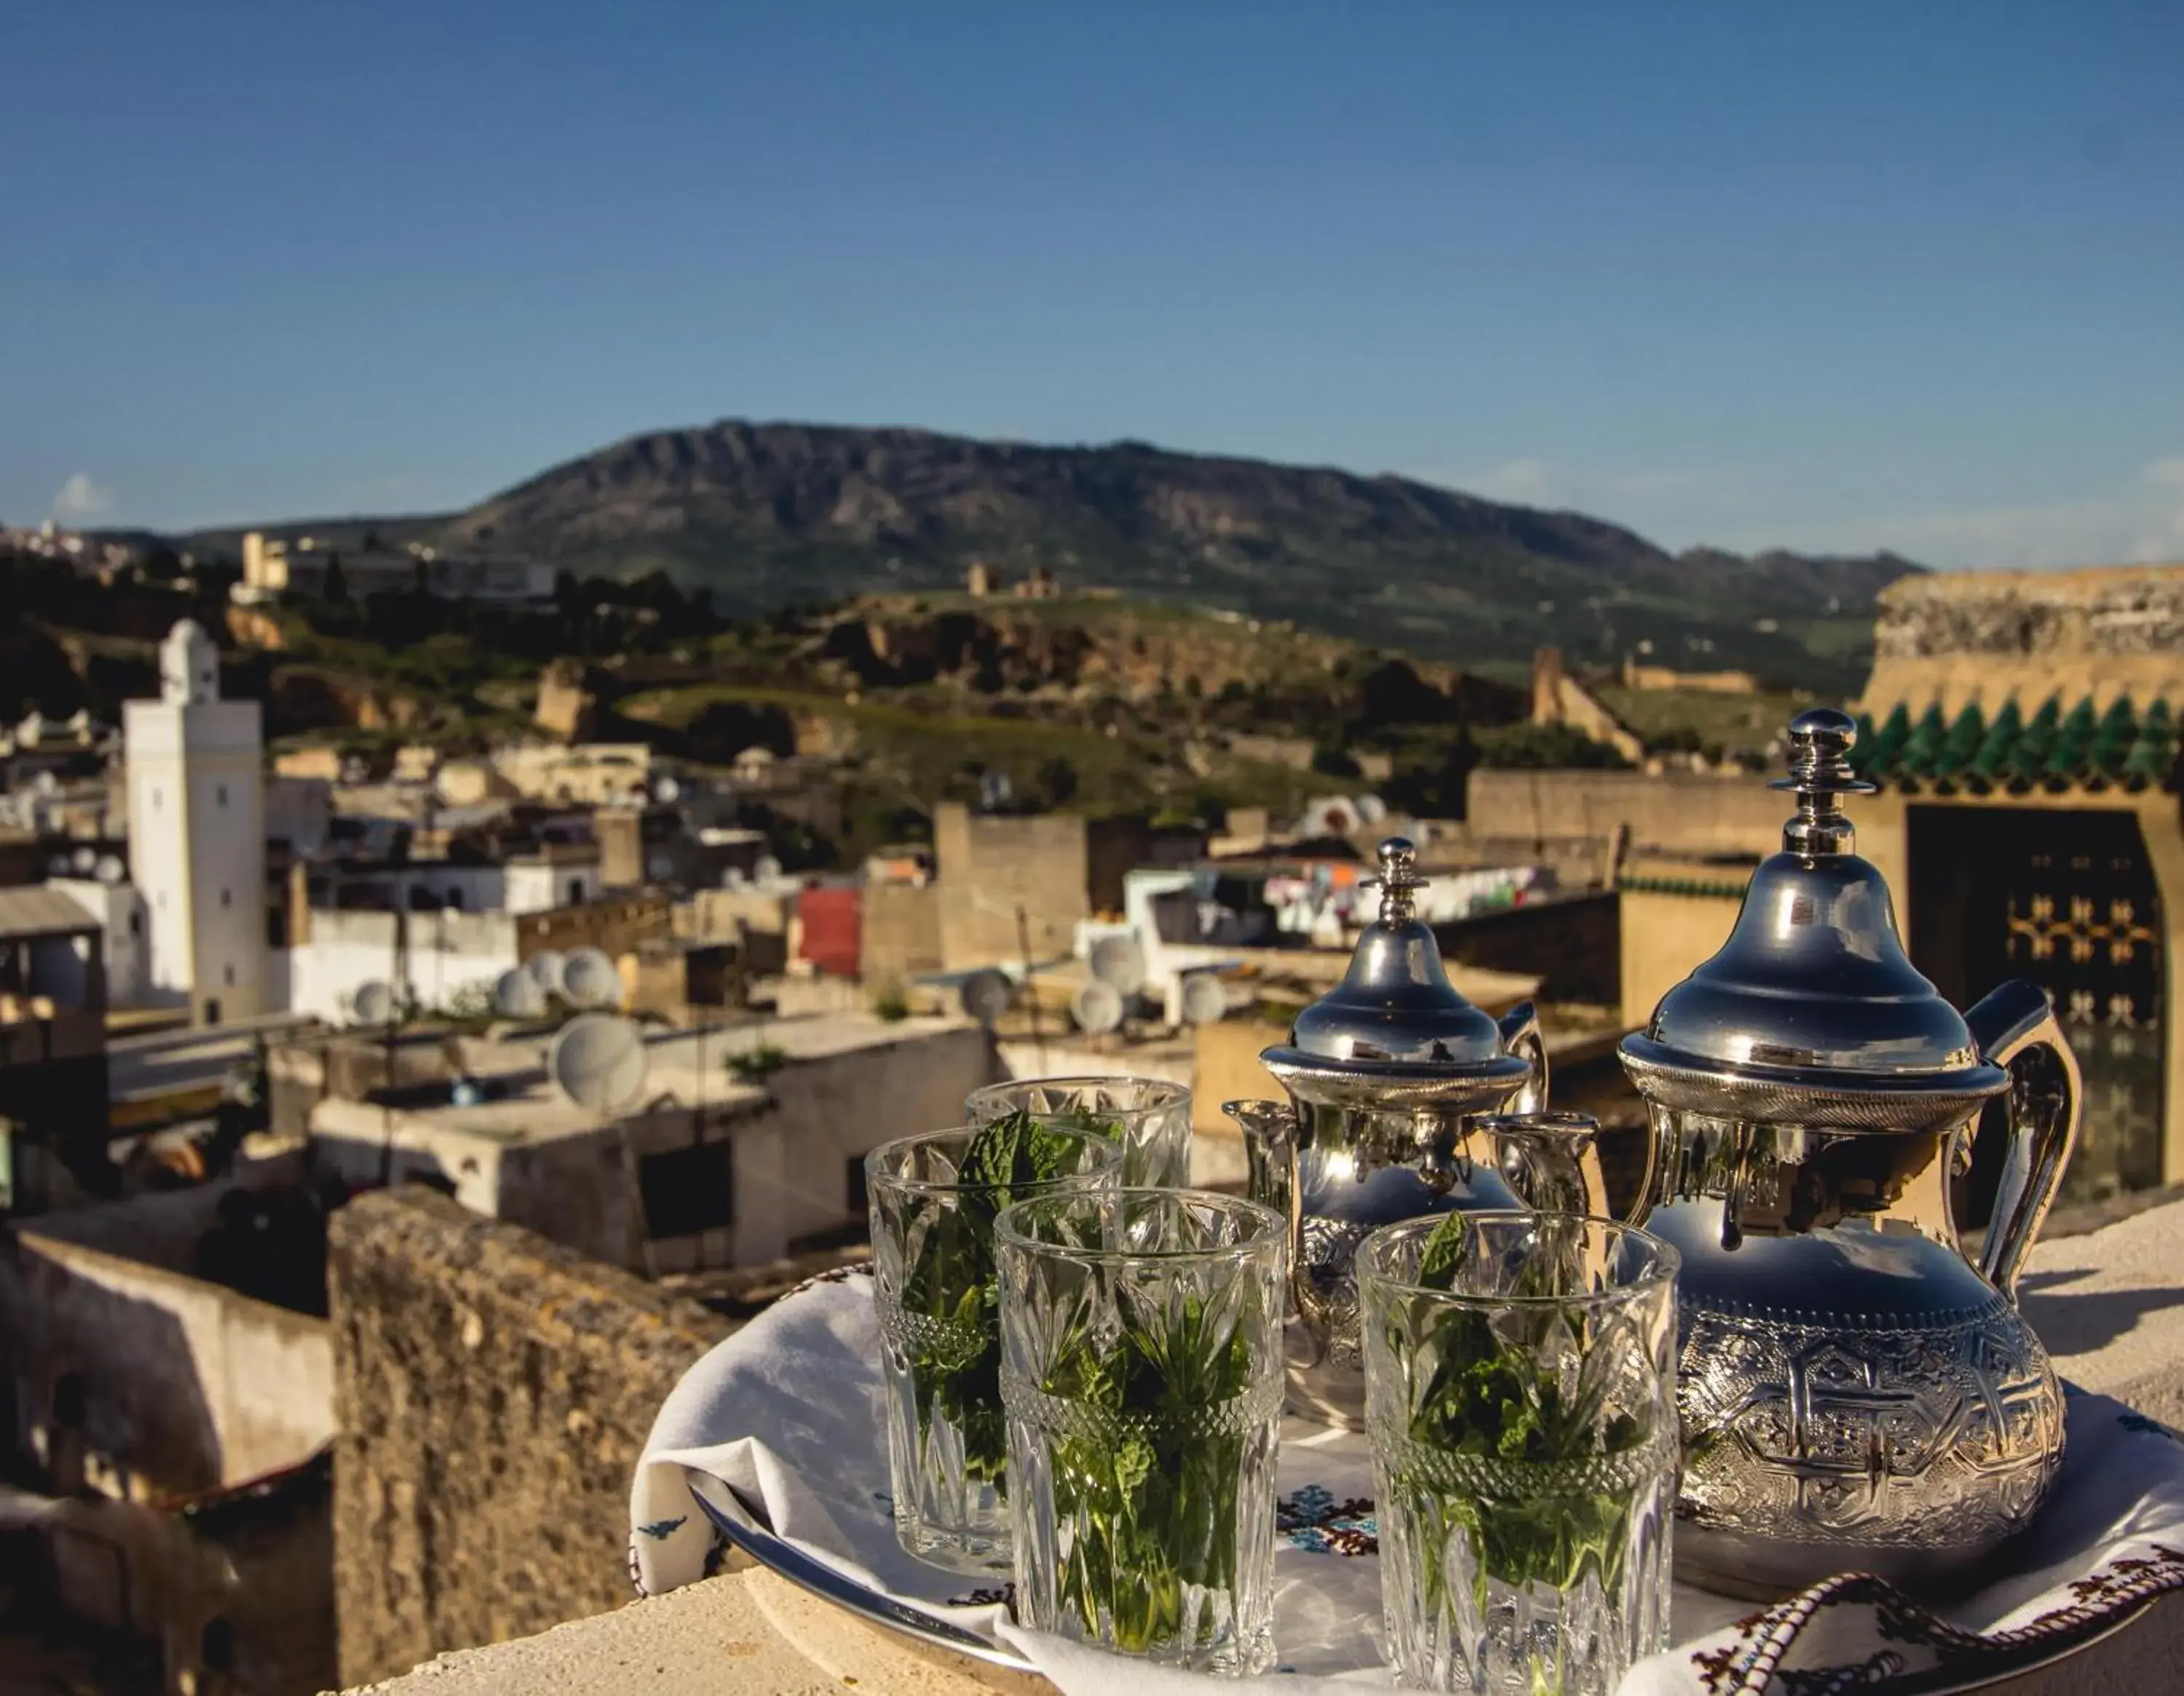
pixel 197 834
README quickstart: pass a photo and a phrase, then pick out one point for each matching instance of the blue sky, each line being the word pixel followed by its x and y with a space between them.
pixel 1839 276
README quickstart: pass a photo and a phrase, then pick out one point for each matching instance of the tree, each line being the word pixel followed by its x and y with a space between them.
pixel 336 589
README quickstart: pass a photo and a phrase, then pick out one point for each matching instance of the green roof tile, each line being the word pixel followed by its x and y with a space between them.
pixel 1962 743
pixel 2061 743
pixel 2001 736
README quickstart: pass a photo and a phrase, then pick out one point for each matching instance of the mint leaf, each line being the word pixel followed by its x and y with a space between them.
pixel 1443 1254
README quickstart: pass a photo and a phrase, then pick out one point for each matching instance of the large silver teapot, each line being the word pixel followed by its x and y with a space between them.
pixel 1389 1076
pixel 1857 1394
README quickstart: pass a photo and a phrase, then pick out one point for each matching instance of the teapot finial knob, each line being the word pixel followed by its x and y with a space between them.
pixel 1399 880
pixel 1820 773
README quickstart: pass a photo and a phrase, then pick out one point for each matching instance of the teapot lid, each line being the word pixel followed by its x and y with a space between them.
pixel 1396 1003
pixel 1813 987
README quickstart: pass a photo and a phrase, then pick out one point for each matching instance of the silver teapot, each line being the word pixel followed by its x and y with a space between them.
pixel 1856 1393
pixel 1393 1079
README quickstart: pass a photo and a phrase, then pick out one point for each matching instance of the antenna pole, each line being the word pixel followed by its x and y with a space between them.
pixel 1031 990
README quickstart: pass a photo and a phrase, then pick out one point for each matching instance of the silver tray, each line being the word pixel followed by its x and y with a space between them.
pixel 744 1523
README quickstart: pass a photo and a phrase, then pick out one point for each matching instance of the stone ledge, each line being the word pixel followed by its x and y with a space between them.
pixel 741 1632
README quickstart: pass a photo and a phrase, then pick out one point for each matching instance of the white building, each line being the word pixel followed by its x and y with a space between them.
pixel 196 835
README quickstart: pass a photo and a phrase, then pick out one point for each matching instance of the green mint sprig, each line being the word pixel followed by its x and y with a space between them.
pixel 1150 1490
pixel 1491 1396
pixel 953 1278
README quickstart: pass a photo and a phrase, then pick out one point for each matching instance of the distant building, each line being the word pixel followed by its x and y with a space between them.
pixel 1637 677
pixel 272 567
pixel 197 834
pixel 707 1170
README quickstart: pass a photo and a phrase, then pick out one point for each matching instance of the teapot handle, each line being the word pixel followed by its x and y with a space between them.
pixel 1520 1036
pixel 2016 1028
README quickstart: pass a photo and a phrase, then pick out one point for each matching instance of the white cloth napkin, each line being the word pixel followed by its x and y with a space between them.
pixel 788 1414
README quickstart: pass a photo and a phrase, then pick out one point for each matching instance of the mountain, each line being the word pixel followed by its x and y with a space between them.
pixel 768 514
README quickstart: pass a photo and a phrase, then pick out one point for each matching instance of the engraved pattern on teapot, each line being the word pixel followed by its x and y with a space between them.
pixel 1943 1431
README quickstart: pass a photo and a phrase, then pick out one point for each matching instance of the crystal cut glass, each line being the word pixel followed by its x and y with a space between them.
pixel 933 1262
pixel 1149 1116
pixel 1520 1396
pixel 1141 1368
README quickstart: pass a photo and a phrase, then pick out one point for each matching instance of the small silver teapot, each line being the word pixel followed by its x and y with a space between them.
pixel 1856 1394
pixel 1393 1079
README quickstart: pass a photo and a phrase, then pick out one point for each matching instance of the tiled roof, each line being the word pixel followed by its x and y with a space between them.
pixel 2054 748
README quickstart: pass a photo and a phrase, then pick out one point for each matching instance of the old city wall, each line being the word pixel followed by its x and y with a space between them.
pixel 493 1392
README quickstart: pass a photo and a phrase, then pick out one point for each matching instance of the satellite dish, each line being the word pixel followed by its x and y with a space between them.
pixel 373 1003
pixel 46 784
pixel 516 995
pixel 83 859
pixel 599 1062
pixel 545 969
pixel 1205 999
pixel 733 877
pixel 660 868
pixel 588 979
pixel 58 866
pixel 767 869
pixel 109 869
pixel 666 789
pixel 1120 964
pixel 1372 810
pixel 1097 1007
pixel 985 996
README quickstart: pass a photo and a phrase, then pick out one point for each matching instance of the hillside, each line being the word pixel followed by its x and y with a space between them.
pixel 766 516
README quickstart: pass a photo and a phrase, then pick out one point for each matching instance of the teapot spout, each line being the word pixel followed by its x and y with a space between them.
pixel 1269 1131
pixel 1552 1161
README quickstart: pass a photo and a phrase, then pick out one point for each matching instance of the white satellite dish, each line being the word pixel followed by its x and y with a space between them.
pixel 1119 962
pixel 109 869
pixel 588 979
pixel 1205 999
pixel 732 877
pixel 666 789
pixel 1372 810
pixel 1097 1007
pixel 83 859
pixel 373 1003
pixel 599 1062
pixel 767 869
pixel 545 969
pixel 516 995
pixel 46 784
pixel 985 996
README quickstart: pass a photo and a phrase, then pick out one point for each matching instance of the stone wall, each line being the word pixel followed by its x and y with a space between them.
pixel 1682 811
pixel 186 1385
pixel 493 1392
pixel 1959 638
